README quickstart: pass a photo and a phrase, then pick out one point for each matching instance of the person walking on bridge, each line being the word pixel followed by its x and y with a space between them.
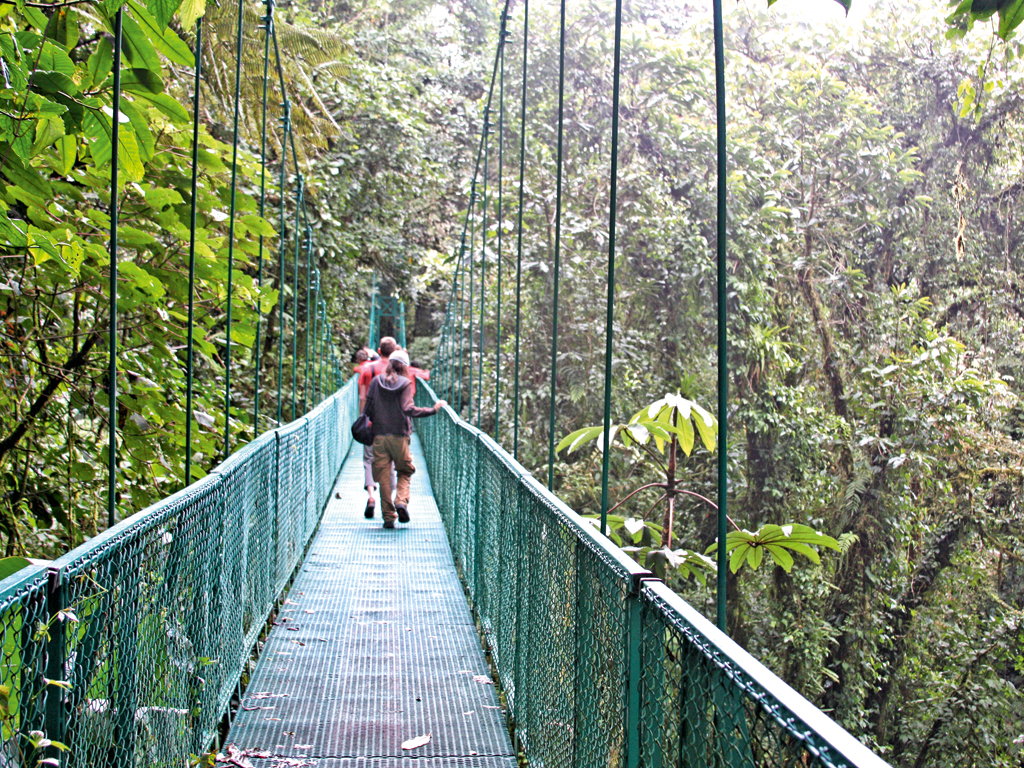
pixel 389 406
pixel 368 370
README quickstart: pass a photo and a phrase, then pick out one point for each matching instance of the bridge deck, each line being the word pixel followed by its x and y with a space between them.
pixel 375 646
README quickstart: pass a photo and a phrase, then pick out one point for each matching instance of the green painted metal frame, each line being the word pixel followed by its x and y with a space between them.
pixel 382 307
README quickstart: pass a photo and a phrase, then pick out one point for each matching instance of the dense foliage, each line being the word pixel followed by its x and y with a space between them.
pixel 875 307
pixel 373 135
pixel 875 318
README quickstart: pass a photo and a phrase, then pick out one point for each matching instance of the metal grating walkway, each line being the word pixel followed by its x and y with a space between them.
pixel 374 646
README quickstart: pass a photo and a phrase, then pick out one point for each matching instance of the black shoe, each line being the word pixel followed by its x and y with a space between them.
pixel 368 512
pixel 389 523
pixel 403 513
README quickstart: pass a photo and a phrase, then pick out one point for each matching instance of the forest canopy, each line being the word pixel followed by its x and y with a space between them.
pixel 876 320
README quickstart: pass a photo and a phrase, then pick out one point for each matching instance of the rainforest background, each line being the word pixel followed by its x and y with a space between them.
pixel 875 304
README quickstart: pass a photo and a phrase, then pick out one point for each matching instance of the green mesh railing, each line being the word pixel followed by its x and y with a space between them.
pixel 602 664
pixel 129 649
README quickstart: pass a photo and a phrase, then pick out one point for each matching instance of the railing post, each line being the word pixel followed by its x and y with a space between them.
pixel 634 668
pixel 56 646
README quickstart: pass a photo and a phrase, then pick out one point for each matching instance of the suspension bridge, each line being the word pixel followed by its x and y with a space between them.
pixel 257 615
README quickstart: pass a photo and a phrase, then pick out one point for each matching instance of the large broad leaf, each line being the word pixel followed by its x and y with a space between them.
pixel 141 81
pixel 154 22
pixel 98 126
pixel 101 61
pixel 1010 17
pixel 190 11
pixel 26 177
pixel 167 105
pixel 574 440
pixel 749 547
pixel 138 49
pixel 53 58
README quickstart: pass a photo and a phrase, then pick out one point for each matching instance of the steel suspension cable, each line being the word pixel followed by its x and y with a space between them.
pixel 483 266
pixel 267 24
pixel 299 193
pixel 558 245
pixel 309 304
pixel 723 360
pixel 462 320
pixel 316 325
pixel 609 320
pixel 231 231
pixel 189 359
pixel 501 170
pixel 115 138
pixel 519 245
pixel 282 244
pixel 472 259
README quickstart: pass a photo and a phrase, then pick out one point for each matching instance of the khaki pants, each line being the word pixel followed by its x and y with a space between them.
pixel 387 449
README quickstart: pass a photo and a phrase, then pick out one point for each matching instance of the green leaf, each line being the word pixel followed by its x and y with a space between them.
pixel 1010 17
pixel 706 426
pixel 52 58
pixel 259 225
pixel 154 21
pixel 44 81
pixel 101 62
pixel 138 49
pixel 63 28
pixel 575 439
pixel 67 149
pixel 162 10
pixel 161 197
pixel 685 433
pixel 782 558
pixel 141 81
pixel 190 11
pixel 5 691
pixel 167 105
pixel 8 567
pixel 142 279
pixel 27 178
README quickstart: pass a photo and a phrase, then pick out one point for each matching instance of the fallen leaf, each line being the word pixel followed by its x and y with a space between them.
pixel 309 611
pixel 419 741
pixel 487 707
pixel 483 680
pixel 303 746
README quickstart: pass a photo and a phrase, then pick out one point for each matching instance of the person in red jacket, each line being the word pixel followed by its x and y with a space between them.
pixel 389 406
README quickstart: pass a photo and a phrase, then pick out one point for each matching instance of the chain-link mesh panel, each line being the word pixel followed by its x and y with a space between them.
pixel 23 619
pixel 129 648
pixel 150 602
pixel 705 701
pixel 250 492
pixel 601 664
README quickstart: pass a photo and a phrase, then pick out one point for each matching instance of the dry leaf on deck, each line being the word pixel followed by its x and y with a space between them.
pixel 419 741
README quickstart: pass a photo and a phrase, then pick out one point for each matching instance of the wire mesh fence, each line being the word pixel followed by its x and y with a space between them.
pixel 601 664
pixel 128 650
